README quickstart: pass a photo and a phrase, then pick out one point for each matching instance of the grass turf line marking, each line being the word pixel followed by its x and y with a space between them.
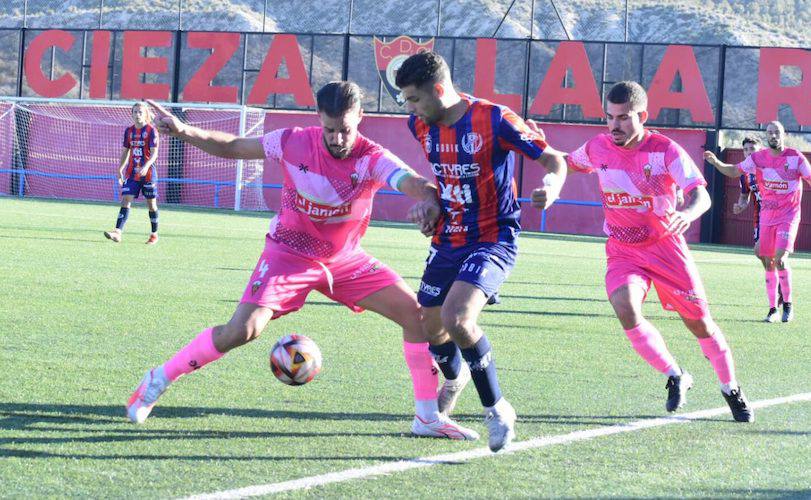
pixel 463 456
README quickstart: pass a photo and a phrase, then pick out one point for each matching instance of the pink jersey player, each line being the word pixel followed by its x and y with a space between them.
pixel 326 205
pixel 640 173
pixel 779 179
pixel 331 174
pixel 778 172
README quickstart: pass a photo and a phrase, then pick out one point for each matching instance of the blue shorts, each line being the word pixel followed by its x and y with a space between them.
pixel 134 188
pixel 483 265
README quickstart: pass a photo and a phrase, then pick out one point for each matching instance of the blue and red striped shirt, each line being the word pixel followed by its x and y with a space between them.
pixel 474 165
pixel 140 142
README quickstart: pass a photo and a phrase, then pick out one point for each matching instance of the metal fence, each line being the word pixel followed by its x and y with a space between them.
pixel 729 74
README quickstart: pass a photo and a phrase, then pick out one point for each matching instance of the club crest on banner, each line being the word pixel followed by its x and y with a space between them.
pixel 390 55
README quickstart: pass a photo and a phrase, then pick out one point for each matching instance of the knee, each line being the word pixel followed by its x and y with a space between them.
pixel 235 334
pixel 627 314
pixel 457 323
pixel 702 328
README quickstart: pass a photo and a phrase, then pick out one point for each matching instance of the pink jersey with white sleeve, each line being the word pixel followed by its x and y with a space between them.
pixel 638 185
pixel 779 179
pixel 326 203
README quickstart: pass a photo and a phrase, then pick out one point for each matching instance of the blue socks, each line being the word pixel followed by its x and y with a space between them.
pixel 123 214
pixel 448 358
pixel 483 371
pixel 153 220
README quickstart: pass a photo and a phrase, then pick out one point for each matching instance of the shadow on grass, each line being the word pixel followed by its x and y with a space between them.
pixel 21 415
pixel 44 238
pixel 98 424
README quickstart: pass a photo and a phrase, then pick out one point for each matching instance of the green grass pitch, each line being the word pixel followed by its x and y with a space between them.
pixel 81 320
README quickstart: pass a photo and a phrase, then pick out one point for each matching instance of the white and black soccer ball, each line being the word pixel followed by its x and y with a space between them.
pixel 295 359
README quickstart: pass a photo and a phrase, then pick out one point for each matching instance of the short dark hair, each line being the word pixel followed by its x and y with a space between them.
pixel 628 91
pixel 750 140
pixel 421 69
pixel 336 98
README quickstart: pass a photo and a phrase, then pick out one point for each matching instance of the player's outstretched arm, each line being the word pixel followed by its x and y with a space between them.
pixel 725 168
pixel 555 164
pixel 213 142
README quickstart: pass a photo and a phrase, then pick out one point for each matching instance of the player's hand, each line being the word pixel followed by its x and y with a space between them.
pixel 544 196
pixel 678 223
pixel 738 207
pixel 165 121
pixel 710 157
pixel 143 171
pixel 120 181
pixel 425 215
pixel 533 125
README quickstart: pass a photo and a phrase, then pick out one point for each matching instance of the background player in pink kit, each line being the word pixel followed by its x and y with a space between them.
pixel 779 172
pixel 639 172
pixel 751 191
pixel 470 144
pixel 331 174
pixel 137 173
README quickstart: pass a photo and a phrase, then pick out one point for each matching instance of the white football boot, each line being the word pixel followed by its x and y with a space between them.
pixel 500 420
pixel 443 427
pixel 146 395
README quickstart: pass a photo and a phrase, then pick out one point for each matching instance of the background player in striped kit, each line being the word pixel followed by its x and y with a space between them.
pixel 470 144
pixel 779 172
pixel 137 173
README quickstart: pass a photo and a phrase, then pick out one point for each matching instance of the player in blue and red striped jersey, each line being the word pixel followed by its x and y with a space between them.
pixel 469 143
pixel 137 172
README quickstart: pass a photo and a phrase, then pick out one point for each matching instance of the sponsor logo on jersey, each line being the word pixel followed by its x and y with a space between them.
pixel 456 170
pixel 319 211
pixel 389 56
pixel 625 200
pixel 776 185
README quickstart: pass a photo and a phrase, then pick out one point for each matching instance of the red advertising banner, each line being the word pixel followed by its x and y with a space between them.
pixel 679 80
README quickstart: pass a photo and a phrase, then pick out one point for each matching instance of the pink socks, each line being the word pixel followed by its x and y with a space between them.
pixel 716 349
pixel 648 342
pixel 771 288
pixel 197 353
pixel 785 283
pixel 423 375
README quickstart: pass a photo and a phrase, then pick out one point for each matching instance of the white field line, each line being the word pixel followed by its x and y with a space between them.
pixel 463 456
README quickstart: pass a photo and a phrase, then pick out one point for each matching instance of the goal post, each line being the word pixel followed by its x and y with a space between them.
pixel 68 148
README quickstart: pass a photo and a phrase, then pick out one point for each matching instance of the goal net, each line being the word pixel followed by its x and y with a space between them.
pixel 70 149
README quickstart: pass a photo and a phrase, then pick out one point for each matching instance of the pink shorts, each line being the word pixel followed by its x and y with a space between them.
pixel 776 237
pixel 668 265
pixel 282 280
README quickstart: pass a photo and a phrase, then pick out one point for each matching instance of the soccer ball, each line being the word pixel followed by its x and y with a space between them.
pixel 295 359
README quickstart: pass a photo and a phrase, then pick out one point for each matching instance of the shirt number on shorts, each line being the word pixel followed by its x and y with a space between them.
pixel 431 254
pixel 263 268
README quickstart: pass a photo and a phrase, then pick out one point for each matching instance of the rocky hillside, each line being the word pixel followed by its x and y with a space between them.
pixel 732 22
